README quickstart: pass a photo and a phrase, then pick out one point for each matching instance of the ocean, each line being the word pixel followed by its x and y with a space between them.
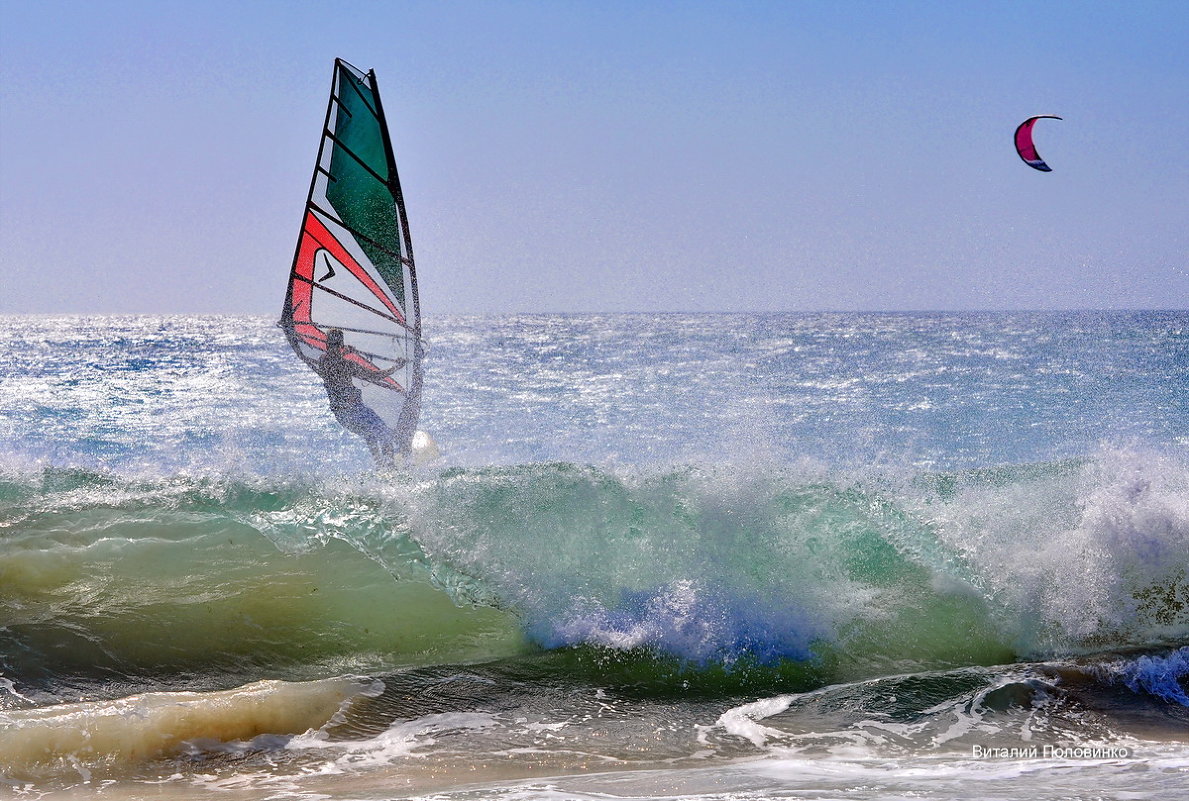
pixel 670 556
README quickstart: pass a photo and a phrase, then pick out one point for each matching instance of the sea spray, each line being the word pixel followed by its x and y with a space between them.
pixel 1076 556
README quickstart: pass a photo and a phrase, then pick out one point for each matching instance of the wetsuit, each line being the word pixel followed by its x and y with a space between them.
pixel 346 401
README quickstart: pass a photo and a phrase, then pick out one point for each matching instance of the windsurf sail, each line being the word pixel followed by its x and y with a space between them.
pixel 353 266
pixel 1025 146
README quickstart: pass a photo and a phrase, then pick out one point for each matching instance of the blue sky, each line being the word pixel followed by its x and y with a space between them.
pixel 607 156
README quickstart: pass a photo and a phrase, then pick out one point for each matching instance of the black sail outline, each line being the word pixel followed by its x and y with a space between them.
pixel 353 266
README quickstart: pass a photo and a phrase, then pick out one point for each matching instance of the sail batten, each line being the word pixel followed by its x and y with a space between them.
pixel 324 213
pixel 362 163
pixel 353 264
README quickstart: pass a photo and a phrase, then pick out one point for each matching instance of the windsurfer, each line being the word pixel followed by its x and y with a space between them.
pixel 346 401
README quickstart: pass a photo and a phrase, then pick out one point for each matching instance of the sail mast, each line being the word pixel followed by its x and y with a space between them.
pixel 398 195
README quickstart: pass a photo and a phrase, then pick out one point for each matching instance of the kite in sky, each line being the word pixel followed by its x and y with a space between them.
pixel 1026 148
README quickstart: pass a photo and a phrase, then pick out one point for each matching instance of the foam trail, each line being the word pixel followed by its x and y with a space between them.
pixel 743 721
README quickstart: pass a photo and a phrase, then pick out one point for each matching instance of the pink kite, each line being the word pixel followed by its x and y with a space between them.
pixel 1024 145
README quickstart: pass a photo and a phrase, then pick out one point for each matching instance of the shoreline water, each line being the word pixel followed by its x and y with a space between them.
pixel 753 556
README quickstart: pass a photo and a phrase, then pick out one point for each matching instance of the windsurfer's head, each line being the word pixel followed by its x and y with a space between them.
pixel 334 339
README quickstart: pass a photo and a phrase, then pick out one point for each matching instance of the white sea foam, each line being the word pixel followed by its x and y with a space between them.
pixel 1089 555
pixel 404 738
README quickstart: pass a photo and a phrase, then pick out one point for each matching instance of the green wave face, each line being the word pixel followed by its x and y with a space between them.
pixel 105 577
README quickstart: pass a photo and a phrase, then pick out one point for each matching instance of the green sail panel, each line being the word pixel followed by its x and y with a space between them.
pixel 353 266
pixel 360 176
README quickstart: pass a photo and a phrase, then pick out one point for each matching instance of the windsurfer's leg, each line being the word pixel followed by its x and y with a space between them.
pixel 381 452
pixel 364 422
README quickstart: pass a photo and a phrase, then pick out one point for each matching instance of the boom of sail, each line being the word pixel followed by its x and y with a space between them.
pixel 353 264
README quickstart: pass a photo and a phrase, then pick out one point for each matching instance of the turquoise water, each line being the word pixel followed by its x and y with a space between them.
pixel 679 556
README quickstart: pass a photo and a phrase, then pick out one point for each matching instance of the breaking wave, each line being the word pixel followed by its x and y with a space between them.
pixel 711 566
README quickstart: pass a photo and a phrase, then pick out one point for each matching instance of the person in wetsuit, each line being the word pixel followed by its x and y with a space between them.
pixel 346 401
